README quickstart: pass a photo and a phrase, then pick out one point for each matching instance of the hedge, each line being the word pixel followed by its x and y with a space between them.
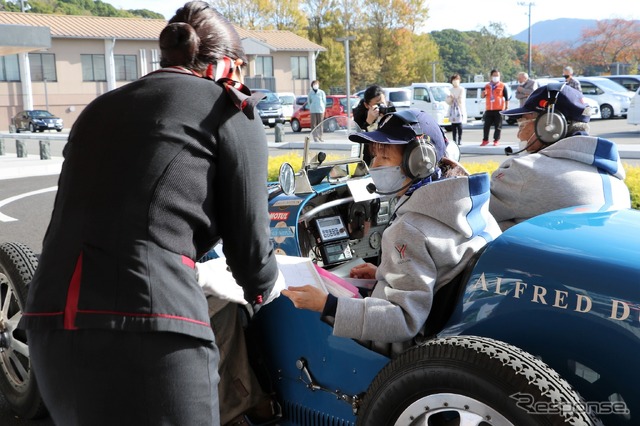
pixel 294 158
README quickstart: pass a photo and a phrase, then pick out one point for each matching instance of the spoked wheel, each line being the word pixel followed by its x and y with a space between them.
pixel 470 381
pixel 17 382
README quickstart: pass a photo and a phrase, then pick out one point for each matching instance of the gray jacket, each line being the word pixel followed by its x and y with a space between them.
pixel 435 233
pixel 525 89
pixel 574 171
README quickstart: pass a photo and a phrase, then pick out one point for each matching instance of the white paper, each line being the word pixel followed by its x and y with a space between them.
pixel 299 271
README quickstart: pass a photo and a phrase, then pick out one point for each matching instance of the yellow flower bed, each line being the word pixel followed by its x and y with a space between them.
pixel 295 159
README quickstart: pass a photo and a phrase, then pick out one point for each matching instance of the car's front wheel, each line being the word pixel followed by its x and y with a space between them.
pixel 469 380
pixel 295 125
pixel 32 128
pixel 17 382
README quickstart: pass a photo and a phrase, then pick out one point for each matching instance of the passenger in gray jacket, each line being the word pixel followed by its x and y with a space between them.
pixel 438 225
pixel 566 167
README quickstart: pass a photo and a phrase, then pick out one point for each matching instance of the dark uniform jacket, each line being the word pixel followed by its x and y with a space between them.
pixel 154 173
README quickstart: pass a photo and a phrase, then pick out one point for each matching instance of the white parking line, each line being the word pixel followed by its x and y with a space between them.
pixel 5 218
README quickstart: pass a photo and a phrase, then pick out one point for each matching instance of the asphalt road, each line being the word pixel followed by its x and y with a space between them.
pixel 29 200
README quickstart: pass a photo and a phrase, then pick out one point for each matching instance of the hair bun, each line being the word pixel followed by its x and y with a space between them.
pixel 179 44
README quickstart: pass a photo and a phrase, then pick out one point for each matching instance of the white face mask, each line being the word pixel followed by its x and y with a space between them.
pixel 455 83
pixel 388 178
pixel 315 87
pixel 495 79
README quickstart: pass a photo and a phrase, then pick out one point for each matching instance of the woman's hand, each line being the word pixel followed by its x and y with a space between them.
pixel 306 297
pixel 364 271
pixel 372 114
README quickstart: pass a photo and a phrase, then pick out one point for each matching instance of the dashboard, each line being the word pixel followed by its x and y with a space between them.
pixel 333 228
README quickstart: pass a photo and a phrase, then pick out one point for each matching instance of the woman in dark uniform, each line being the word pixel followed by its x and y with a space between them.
pixel 155 172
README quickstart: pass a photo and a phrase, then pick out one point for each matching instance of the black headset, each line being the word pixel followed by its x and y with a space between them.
pixel 419 159
pixel 551 126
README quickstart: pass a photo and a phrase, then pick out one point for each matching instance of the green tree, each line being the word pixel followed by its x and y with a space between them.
pixel 495 51
pixel 456 53
pixel 426 54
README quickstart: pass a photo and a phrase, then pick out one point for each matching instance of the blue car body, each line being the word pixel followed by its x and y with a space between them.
pixel 564 287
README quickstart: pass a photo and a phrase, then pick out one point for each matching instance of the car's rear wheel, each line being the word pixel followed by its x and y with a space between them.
pixel 295 125
pixel 469 380
pixel 332 125
pixel 32 128
pixel 606 112
pixel 17 381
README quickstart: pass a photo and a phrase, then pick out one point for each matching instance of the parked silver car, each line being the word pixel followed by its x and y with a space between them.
pixel 613 98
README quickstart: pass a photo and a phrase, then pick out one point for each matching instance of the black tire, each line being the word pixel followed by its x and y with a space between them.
pixel 17 130
pixel 482 380
pixel 32 128
pixel 17 382
pixel 606 112
pixel 295 125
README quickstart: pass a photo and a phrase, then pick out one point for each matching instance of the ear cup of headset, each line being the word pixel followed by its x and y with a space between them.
pixel 419 159
pixel 550 127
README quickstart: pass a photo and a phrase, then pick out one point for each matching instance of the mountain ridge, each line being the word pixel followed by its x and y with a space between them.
pixel 556 30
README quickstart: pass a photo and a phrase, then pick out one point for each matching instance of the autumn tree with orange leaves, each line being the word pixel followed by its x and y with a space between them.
pixel 612 41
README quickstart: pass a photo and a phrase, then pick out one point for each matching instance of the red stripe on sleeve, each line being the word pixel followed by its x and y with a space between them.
pixel 189 262
pixel 73 294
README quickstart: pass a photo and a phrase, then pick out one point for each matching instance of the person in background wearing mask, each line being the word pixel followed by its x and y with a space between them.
pixel 458 98
pixel 367 113
pixel 575 170
pixel 497 100
pixel 567 73
pixel 526 86
pixel 428 243
pixel 317 102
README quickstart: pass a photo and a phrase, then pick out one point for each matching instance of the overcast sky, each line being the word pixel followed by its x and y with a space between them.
pixel 465 15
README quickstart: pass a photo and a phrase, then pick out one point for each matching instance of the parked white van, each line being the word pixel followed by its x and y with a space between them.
pixel 475 103
pixel 430 97
pixel 633 115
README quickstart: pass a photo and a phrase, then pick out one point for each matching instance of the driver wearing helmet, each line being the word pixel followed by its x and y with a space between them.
pixel 438 224
pixel 566 167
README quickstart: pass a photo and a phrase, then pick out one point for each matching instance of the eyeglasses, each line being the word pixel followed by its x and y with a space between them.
pixel 524 121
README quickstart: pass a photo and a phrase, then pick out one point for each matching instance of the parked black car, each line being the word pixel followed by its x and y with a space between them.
pixel 36 120
pixel 270 108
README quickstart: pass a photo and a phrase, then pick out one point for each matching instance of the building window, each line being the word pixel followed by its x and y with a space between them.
pixel 42 66
pixel 126 67
pixel 264 66
pixel 93 68
pixel 9 68
pixel 300 67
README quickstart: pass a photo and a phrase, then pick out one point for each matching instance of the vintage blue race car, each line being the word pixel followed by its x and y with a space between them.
pixel 542 328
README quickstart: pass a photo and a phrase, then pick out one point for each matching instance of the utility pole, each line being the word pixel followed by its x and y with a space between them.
pixel 522 3
pixel 346 41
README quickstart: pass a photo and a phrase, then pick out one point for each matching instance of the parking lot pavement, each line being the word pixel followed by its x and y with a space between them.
pixel 12 166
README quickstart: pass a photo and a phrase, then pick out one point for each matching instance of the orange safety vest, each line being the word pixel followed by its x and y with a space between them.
pixel 494 101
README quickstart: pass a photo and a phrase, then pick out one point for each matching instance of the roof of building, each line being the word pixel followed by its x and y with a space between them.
pixel 97 27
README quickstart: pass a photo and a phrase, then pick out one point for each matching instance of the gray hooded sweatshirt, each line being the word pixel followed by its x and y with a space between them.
pixel 575 171
pixel 434 234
